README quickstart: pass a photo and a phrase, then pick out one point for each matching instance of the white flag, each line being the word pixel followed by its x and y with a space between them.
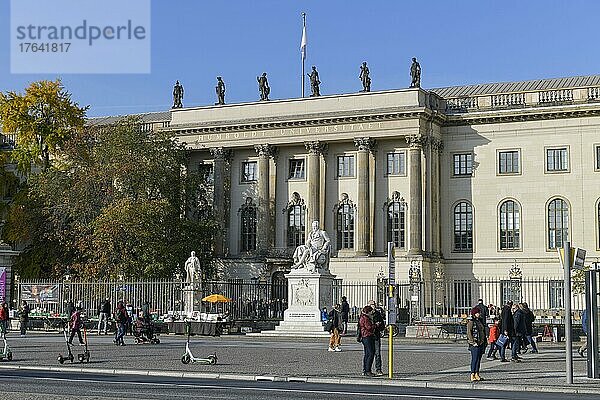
pixel 303 44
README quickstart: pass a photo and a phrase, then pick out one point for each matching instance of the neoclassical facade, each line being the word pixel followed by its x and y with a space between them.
pixel 463 180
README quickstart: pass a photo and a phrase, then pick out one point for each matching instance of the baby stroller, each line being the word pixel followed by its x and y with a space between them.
pixel 144 331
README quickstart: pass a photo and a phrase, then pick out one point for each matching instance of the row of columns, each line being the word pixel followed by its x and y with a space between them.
pixel 316 149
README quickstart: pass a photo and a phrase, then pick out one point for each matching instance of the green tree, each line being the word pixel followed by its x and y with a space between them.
pixel 43 118
pixel 117 201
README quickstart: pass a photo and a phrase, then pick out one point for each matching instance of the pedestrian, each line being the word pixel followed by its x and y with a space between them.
pixel 4 318
pixel 584 326
pixel 121 317
pixel 324 314
pixel 345 314
pixel 335 327
pixel 24 317
pixel 76 324
pixel 507 328
pixel 520 331
pixel 146 312
pixel 367 333
pixel 130 314
pixel 104 315
pixel 529 318
pixel 483 312
pixel 379 321
pixel 493 337
pixel 477 342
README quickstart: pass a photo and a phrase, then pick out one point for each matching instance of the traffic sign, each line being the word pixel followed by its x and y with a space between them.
pixel 577 257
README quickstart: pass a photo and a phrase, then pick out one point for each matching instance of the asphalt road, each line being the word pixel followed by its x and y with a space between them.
pixel 54 385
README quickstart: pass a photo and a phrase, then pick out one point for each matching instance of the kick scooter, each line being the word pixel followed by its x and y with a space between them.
pixel 189 357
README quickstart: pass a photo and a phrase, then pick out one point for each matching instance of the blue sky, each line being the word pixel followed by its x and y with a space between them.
pixel 456 42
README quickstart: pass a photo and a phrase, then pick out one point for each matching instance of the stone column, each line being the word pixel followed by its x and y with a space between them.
pixel 263 229
pixel 315 150
pixel 437 147
pixel 415 204
pixel 363 220
pixel 221 194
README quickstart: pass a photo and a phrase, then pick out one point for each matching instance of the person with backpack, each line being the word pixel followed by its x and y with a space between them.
pixel 334 322
pixel 477 342
pixel 121 317
pixel 379 321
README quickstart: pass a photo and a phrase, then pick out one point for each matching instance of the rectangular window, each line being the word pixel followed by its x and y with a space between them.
pixel 396 163
pixel 555 290
pixel 345 166
pixel 463 164
pixel 249 171
pixel 557 160
pixel 296 169
pixel 508 162
pixel 598 157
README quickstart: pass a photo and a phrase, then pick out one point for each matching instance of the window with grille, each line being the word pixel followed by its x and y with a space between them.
pixel 556 294
pixel 558 223
pixel 510 226
pixel 557 160
pixel 396 163
pixel 396 222
pixel 248 230
pixel 463 164
pixel 345 166
pixel 296 226
pixel 345 227
pixel 249 171
pixel 508 162
pixel 463 227
pixel 296 169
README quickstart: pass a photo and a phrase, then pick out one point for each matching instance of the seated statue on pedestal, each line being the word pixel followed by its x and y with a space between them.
pixel 313 255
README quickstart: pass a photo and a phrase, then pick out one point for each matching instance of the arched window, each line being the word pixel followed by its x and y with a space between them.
pixel 345 223
pixel 248 231
pixel 396 220
pixel 296 226
pixel 510 225
pixel 558 223
pixel 463 227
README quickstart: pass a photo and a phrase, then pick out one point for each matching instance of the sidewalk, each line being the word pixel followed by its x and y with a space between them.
pixel 416 363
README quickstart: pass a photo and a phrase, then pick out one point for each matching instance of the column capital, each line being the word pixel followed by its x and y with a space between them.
pixel 364 143
pixel 221 153
pixel 416 141
pixel 265 150
pixel 437 144
pixel 316 147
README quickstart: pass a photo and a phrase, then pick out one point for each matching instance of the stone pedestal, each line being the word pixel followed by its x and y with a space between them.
pixel 308 293
pixel 188 293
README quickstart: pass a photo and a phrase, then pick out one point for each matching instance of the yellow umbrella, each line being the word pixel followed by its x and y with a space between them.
pixel 216 298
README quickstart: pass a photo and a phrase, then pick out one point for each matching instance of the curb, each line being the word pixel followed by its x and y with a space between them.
pixel 301 379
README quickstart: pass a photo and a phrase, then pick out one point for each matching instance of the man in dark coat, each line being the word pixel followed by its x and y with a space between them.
pixel 519 318
pixel 507 328
pixel 529 319
pixel 345 314
pixel 379 321
pixel 483 312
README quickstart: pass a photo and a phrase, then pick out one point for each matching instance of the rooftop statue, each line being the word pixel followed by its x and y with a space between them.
pixel 263 87
pixel 220 89
pixel 314 82
pixel 177 95
pixel 364 77
pixel 415 74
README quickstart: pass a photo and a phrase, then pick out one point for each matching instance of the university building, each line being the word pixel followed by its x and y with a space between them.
pixel 468 182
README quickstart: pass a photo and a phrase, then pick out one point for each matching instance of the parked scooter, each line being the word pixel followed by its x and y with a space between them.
pixel 189 357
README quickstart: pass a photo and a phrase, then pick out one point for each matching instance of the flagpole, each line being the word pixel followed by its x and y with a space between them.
pixel 303 53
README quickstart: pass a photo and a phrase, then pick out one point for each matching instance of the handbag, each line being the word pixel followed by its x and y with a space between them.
pixel 502 340
pixel 329 325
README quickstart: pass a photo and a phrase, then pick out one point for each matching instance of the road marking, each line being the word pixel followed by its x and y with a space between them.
pixel 258 389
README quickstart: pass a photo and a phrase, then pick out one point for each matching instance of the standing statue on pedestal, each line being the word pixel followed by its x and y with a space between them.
pixel 192 268
pixel 263 87
pixel 314 82
pixel 220 89
pixel 364 77
pixel 315 253
pixel 177 95
pixel 415 74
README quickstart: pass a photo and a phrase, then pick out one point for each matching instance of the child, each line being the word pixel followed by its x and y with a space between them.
pixel 76 324
pixel 494 335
